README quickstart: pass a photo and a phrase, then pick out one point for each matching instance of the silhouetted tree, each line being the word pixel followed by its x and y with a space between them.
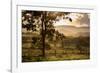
pixel 47 18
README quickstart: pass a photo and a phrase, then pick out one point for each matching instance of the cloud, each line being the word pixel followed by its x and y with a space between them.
pixel 80 19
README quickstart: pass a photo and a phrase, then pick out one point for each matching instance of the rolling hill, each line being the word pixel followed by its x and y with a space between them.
pixel 73 31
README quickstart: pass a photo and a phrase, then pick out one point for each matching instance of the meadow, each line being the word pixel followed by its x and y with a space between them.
pixel 68 48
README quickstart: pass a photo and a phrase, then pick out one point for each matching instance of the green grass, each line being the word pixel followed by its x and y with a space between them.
pixel 54 50
pixel 51 55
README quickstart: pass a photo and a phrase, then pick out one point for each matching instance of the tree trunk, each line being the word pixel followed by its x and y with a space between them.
pixel 43 33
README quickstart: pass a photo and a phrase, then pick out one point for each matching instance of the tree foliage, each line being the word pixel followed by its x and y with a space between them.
pixel 42 20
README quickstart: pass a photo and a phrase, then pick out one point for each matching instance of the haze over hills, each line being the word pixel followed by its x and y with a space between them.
pixel 73 31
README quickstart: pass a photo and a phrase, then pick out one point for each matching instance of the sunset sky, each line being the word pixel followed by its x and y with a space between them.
pixel 78 20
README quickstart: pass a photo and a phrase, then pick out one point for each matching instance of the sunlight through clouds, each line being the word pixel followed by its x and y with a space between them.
pixel 78 20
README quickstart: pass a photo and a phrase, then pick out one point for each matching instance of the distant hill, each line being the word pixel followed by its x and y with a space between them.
pixel 73 31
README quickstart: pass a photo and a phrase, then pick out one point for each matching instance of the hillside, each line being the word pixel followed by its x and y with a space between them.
pixel 73 31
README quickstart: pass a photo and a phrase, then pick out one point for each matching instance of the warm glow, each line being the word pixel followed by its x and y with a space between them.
pixel 76 20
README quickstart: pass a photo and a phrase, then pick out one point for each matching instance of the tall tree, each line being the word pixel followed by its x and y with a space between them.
pixel 47 19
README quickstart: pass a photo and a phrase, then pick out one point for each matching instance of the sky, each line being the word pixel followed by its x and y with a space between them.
pixel 78 20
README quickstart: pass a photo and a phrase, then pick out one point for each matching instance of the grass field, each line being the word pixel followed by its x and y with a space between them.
pixel 55 50
pixel 51 55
